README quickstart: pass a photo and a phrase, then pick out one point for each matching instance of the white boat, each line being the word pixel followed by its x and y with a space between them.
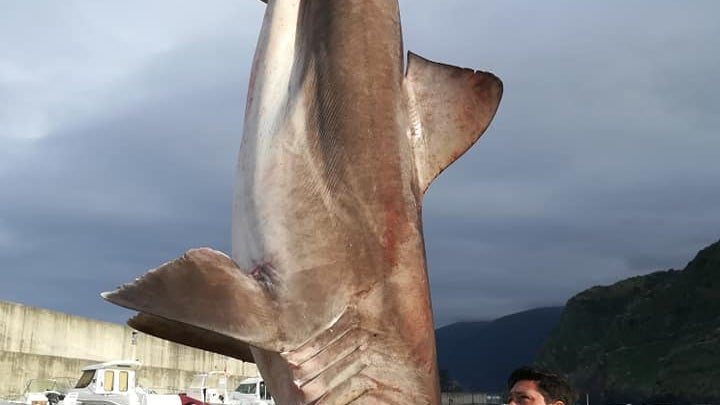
pixel 42 391
pixel 114 383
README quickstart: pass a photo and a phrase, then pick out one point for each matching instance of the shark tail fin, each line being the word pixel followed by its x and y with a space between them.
pixel 202 299
pixel 450 108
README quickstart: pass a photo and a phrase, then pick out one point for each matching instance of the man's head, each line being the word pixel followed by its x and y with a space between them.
pixel 532 386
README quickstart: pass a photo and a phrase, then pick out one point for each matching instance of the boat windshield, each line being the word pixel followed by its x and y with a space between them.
pixel 85 379
pixel 40 385
pixel 246 388
pixel 198 381
pixel 59 384
pixel 216 381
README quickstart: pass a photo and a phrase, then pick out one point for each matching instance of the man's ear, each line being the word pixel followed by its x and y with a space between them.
pixel 558 403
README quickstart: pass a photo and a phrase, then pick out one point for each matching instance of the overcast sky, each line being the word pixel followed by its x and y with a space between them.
pixel 120 124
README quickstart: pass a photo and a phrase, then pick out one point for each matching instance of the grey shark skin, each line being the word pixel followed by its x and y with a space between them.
pixel 327 286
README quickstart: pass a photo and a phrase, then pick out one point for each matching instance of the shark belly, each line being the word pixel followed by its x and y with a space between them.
pixel 345 168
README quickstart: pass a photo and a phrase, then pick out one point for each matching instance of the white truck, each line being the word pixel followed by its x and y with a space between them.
pixel 251 391
pixel 114 383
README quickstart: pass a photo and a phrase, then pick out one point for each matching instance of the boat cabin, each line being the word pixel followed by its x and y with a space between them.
pixel 112 377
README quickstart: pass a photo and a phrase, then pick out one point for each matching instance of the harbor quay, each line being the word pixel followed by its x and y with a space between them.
pixel 39 343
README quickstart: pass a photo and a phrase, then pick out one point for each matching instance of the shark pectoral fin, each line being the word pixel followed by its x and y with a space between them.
pixel 203 290
pixel 449 109
pixel 189 335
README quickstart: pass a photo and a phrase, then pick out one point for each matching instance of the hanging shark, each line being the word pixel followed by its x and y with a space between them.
pixel 327 287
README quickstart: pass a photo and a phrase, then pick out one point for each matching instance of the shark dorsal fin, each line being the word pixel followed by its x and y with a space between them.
pixel 450 108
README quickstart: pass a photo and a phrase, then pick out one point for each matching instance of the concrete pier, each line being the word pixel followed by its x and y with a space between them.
pixel 39 343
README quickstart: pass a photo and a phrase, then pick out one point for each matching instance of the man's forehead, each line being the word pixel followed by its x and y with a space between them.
pixel 524 386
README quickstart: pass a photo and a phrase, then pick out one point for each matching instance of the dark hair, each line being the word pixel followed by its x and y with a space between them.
pixel 552 386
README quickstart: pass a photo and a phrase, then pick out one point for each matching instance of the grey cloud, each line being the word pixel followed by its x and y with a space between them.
pixel 600 164
pixel 99 202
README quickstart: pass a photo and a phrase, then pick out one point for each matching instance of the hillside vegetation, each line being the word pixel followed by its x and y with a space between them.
pixel 652 339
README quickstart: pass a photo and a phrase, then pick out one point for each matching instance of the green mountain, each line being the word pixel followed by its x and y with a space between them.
pixel 647 339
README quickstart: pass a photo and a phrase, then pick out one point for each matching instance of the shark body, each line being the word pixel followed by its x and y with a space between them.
pixel 327 288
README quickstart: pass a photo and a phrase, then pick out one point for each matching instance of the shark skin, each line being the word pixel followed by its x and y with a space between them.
pixel 327 287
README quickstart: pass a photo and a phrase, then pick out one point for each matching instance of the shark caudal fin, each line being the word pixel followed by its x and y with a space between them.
pixel 450 108
pixel 202 299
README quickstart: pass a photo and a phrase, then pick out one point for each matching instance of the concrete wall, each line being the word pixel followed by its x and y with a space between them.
pixel 39 343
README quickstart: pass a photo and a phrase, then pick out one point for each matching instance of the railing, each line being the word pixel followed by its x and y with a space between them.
pixel 469 398
pixel 162 390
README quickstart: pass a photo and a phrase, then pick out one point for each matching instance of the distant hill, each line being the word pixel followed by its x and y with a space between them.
pixel 651 339
pixel 481 355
